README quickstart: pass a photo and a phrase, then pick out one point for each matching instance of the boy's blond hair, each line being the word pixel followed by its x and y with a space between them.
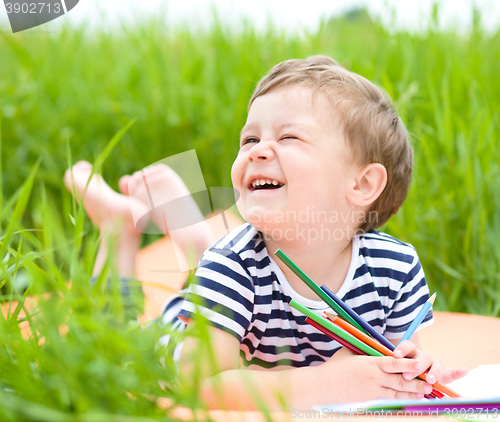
pixel 373 130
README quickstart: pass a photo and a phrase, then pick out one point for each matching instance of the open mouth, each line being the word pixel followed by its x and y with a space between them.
pixel 265 184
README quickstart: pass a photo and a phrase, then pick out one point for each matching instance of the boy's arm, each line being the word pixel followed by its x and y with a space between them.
pixel 223 385
pixel 343 378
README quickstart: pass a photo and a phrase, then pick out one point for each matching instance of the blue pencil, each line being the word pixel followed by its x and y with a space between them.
pixel 418 319
pixel 367 327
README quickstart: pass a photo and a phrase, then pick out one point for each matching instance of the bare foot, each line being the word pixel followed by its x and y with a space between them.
pixel 106 208
pixel 159 184
pixel 156 185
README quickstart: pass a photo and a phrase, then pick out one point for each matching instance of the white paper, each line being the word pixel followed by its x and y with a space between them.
pixel 483 381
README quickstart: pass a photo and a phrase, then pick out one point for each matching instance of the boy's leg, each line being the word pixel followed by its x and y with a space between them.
pixel 110 211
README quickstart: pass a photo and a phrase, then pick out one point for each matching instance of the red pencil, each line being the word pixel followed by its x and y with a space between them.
pixel 340 340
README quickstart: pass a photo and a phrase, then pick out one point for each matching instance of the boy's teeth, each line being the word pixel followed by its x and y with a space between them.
pixel 262 182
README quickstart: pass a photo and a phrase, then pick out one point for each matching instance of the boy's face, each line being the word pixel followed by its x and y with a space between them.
pixel 297 145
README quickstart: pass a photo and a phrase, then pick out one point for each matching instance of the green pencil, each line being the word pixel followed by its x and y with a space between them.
pixel 335 330
pixel 316 289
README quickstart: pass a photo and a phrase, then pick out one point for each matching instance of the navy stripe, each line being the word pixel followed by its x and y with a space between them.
pixel 191 315
pixel 378 239
pixel 414 271
pixel 406 311
pixel 244 231
pixel 219 308
pixel 402 328
pixel 414 290
pixel 260 247
pixel 388 254
pixel 283 362
pixel 276 351
pixel 381 272
pixel 358 291
pixel 369 307
pixel 226 291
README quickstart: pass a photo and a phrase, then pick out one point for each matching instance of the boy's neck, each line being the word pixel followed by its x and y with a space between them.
pixel 324 262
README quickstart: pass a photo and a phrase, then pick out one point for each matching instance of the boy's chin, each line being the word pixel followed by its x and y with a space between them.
pixel 267 224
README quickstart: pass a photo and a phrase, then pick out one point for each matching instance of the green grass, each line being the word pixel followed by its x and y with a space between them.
pixel 73 91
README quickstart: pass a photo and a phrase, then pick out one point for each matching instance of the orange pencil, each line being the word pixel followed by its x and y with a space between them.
pixel 365 338
pixel 382 349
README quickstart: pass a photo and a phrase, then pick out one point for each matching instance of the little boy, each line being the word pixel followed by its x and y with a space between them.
pixel 323 161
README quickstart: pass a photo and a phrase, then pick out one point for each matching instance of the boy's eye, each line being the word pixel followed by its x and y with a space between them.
pixel 249 140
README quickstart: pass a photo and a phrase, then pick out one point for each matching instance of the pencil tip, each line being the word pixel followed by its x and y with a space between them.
pixel 330 316
pixel 433 298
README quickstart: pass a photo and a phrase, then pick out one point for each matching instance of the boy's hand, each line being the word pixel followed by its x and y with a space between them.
pixel 369 378
pixel 434 368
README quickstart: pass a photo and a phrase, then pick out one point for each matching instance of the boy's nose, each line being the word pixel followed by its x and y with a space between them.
pixel 261 151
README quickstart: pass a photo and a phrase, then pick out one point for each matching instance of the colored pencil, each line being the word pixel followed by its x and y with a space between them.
pixel 435 394
pixel 362 336
pixel 315 288
pixel 359 334
pixel 360 321
pixel 335 330
pixel 335 337
pixel 418 319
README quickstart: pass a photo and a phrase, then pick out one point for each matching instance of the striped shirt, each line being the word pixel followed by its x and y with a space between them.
pixel 240 289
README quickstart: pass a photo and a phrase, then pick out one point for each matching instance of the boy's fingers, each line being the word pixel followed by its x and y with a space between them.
pixel 398 383
pixel 435 372
pixel 392 365
pixel 453 374
pixel 409 376
pixel 401 395
pixel 406 350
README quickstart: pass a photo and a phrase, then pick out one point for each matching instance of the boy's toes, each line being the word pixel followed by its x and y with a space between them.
pixel 159 168
pixel 161 171
pixel 77 175
pixel 82 165
pixel 123 184
pixel 135 183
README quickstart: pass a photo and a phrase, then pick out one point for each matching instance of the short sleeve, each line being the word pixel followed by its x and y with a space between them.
pixel 222 292
pixel 412 295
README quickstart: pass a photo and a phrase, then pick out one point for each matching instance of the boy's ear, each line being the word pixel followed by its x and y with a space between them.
pixel 368 185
